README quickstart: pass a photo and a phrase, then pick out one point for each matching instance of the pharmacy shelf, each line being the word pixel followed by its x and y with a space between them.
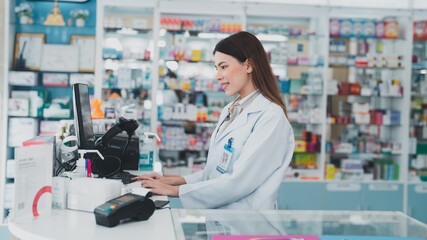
pixel 187 122
pixel 303 123
pixel 110 33
pixel 128 59
pixel 365 124
pixel 363 96
pixel 365 155
pixel 361 67
pixel 368 38
pixel 295 65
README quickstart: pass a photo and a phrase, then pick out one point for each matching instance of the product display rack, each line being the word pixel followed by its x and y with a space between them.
pixel 295 39
pixel 361 102
pixel 126 33
pixel 53 35
pixel 187 72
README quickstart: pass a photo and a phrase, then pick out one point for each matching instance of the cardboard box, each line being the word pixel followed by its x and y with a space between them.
pixel 18 107
pixel 391 29
pixel 23 78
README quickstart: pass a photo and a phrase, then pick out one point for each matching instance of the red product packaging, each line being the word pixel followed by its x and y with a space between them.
pixel 379 118
pixel 311 147
pixel 420 30
pixel 345 88
pixel 355 88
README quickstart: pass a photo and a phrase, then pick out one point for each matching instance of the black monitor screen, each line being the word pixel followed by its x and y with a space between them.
pixel 82 116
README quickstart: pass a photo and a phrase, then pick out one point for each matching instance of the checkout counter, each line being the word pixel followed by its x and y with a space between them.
pixel 180 224
pixel 193 224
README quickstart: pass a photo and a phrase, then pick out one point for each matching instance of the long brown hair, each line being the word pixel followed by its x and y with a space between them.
pixel 245 46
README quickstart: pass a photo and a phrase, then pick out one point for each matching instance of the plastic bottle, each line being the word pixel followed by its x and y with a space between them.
pixel 147 149
pixel 80 170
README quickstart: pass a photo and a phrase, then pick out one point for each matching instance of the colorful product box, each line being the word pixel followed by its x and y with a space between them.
pixel 380 29
pixel 334 27
pixel 346 27
pixel 391 29
pixel 420 30
pixel 358 28
pixel 368 29
pixel 300 146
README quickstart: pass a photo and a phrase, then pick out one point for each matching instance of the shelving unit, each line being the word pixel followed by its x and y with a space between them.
pixel 360 67
pixel 126 46
pixel 295 40
pixel 186 71
pixel 53 35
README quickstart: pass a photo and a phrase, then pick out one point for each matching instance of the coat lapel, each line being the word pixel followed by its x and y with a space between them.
pixel 256 106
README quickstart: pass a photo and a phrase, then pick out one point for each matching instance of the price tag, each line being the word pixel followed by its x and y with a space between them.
pixel 383 187
pixel 343 187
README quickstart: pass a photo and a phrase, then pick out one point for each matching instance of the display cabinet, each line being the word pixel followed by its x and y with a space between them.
pixel 368 89
pixel 126 52
pixel 418 138
pixel 190 99
pixel 295 40
pixel 41 64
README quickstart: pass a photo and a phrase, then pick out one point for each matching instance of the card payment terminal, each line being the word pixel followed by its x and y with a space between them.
pixel 129 205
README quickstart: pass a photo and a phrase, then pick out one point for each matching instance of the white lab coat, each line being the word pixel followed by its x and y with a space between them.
pixel 263 143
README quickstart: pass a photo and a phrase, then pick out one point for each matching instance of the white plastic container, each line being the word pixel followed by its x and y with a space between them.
pixel 147 149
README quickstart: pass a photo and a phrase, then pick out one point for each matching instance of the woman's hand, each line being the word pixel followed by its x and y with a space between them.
pixel 158 187
pixel 176 181
pixel 151 176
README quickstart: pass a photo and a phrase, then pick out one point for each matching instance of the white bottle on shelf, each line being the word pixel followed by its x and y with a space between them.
pixel 147 149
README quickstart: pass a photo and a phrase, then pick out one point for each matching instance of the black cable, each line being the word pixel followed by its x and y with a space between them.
pixel 126 145
pixel 120 168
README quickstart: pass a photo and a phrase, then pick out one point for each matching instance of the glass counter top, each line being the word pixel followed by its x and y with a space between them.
pixel 202 224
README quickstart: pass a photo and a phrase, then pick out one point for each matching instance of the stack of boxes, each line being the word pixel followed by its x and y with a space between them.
pixel 310 142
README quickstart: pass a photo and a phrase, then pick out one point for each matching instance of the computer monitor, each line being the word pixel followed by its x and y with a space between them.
pixel 83 117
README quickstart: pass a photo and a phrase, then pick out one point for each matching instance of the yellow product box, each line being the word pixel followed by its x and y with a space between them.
pixel 196 55
pixel 300 146
pixel 391 29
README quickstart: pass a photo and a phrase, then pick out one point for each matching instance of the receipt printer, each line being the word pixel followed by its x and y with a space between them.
pixel 127 206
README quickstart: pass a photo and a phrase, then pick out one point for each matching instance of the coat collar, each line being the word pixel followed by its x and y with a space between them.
pixel 257 105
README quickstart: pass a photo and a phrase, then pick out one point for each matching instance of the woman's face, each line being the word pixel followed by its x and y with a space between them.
pixel 233 75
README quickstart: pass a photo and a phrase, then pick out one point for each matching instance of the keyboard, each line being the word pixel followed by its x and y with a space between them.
pixel 125 177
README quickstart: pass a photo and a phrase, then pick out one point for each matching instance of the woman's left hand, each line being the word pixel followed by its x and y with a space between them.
pixel 157 187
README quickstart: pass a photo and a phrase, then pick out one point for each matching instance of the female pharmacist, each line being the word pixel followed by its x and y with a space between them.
pixel 252 144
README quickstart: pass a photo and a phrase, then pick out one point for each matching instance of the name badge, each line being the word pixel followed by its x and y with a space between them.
pixel 225 157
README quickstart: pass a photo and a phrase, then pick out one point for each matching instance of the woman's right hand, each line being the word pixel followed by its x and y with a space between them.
pixel 166 180
pixel 152 176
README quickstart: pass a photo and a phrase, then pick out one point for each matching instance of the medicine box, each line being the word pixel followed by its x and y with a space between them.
pixel 358 28
pixel 334 27
pixel 346 27
pixel 18 78
pixel 55 79
pixel 391 29
pixel 18 107
pixel 380 29
pixel 368 29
